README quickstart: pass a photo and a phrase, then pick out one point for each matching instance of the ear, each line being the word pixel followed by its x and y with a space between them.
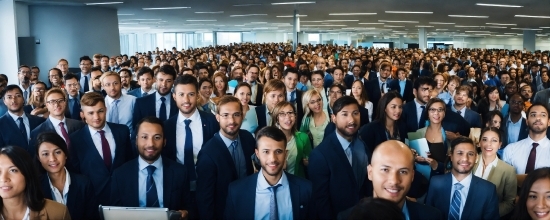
pixel 218 118
pixel 81 114
pixel 333 117
pixel 369 171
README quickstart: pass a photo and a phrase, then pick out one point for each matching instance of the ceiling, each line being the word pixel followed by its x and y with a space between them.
pixel 219 16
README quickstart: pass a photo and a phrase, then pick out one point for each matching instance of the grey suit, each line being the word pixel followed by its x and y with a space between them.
pixel 48 126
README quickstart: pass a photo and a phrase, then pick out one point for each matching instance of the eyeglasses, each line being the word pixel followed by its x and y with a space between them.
pixel 433 110
pixel 72 85
pixel 56 101
pixel 516 102
pixel 335 92
pixel 285 114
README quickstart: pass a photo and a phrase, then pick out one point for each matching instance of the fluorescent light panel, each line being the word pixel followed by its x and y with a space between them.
pixel 324 25
pixel 124 14
pixel 291 3
pixel 468 16
pixel 423 26
pixel 247 15
pixel 166 8
pixel 352 14
pixel 466 26
pixel 397 21
pixel 371 23
pixel 103 3
pixel 393 26
pixel 202 20
pixel 340 20
pixel 246 5
pixel 502 24
pixel 409 12
pixel 290 16
pixel 531 16
pixel 209 12
pixel 527 29
pixel 496 27
pixel 499 5
pixel 440 23
pixel 544 27
pixel 478 31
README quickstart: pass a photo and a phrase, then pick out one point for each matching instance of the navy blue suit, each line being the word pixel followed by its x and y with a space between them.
pixel 47 126
pixel 146 106
pixel 349 79
pixel 136 92
pixel 409 117
pixel 408 95
pixel 215 170
pixel 209 127
pixel 373 91
pixel 419 211
pixel 85 158
pixel 455 123
pixel 259 95
pixel 481 203
pixel 523 131
pixel 374 134
pixel 81 201
pixel 68 111
pixel 241 197
pixel 11 135
pixel 333 179
pixel 260 114
pixel 472 118
pixel 125 185
pixel 27 109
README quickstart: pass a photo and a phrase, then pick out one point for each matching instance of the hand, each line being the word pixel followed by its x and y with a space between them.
pixel 451 135
pixel 305 161
pixel 184 214
pixel 433 163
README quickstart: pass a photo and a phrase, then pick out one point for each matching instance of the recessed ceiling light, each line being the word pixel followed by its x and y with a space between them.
pixel 502 35
pixel 127 23
pixel 440 23
pixel 202 20
pixel 499 5
pixel 352 14
pixel 312 21
pixel 468 16
pixel 501 24
pixel 103 3
pixel 247 15
pixel 290 16
pixel 527 29
pixel 165 8
pixel 291 3
pixel 441 29
pixel 397 21
pixel 544 27
pixel 209 12
pixel 124 14
pixel 409 12
pixel 531 16
pixel 371 23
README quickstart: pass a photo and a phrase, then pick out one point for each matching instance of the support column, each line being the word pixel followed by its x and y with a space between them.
pixel 401 41
pixel 422 40
pixel 8 36
pixel 529 39
pixel 295 30
pixel 215 38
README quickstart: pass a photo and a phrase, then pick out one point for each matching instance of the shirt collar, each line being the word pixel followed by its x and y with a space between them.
pixel 226 140
pixel 110 100
pixel 418 105
pixel 167 96
pixel 194 117
pixel 465 182
pixel 67 182
pixel 55 121
pixel 142 164
pixel 345 143
pixel 15 117
pixel 264 185
pixel 105 128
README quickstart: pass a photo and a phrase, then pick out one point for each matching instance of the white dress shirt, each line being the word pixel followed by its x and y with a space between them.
pixel 484 174
pixel 142 181
pixel 55 192
pixel 96 138
pixel 56 122
pixel 125 109
pixel 166 103
pixel 25 122
pixel 254 92
pixel 196 128
pixel 463 192
pixel 516 154
pixel 419 110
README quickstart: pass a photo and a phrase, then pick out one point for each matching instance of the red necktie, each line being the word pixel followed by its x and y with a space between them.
pixel 531 160
pixel 106 149
pixel 65 134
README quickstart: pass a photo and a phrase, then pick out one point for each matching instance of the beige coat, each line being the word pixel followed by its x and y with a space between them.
pixel 504 178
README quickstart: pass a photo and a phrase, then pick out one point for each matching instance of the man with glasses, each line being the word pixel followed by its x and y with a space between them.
pixel 72 86
pixel 516 126
pixel 35 74
pixel 24 76
pixel 63 65
pixel 84 76
pixel 377 88
pixel 120 107
pixel 56 122
pixel 54 76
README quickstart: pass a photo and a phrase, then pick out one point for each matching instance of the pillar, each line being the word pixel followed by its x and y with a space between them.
pixel 8 38
pixel 295 30
pixel 529 38
pixel 401 41
pixel 215 38
pixel 422 39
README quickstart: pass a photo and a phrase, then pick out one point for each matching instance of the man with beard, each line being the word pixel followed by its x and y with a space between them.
pixel 224 158
pixel 119 106
pixel 24 76
pixel 460 194
pixel 337 166
pixel 186 131
pixel 254 196
pixel 516 127
pixel 151 180
pixel 237 77
pixel 251 77
pixel 414 112
pixel 126 82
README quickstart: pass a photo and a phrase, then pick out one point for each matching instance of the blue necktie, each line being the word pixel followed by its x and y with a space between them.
pixel 273 212
pixel 454 211
pixel 293 97
pixel 162 111
pixel 25 95
pixel 22 128
pixel 86 86
pixel 151 193
pixel 235 155
pixel 114 111
pixel 76 109
pixel 144 94
pixel 188 158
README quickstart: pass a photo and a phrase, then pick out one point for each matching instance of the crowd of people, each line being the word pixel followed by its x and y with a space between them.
pixel 262 131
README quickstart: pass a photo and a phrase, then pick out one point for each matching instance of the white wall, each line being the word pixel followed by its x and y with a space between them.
pixel 8 41
pixel 265 37
pixel 22 15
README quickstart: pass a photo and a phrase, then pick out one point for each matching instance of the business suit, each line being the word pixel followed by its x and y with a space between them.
pixel 374 134
pixel 241 197
pixel 504 178
pixel 28 109
pixel 408 95
pixel 215 170
pixel 473 118
pixel 146 106
pixel 125 185
pixel 48 126
pixel 261 114
pixel 455 123
pixel 542 96
pixel 52 211
pixel 349 79
pixel 419 211
pixel 89 76
pixel 259 95
pixel 81 201
pixel 86 160
pixel 409 116
pixel 68 111
pixel 299 105
pixel 136 92
pixel 523 131
pixel 11 134
pixel 373 91
pixel 481 203
pixel 334 182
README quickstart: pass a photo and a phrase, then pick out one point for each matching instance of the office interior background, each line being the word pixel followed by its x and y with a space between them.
pixel 40 32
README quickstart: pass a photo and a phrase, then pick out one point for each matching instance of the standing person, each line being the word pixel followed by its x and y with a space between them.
pixel 84 77
pixel 317 83
pixel 377 88
pixel 460 194
pixel 24 76
pixel 271 193
pixel 256 88
pixel 359 92
pixel 459 106
pixel 36 105
pixel 293 95
pixel 403 85
pixel 120 107
pixel 223 159
pixel 250 121
pixel 316 118
pixel 515 127
pixel 337 166
pixel 274 92
pixel 72 87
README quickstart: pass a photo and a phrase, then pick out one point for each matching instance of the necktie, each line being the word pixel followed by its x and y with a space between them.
pixel 64 134
pixel 349 154
pixel 144 94
pixel 106 150
pixel 531 159
pixel 273 211
pixel 454 211
pixel 86 86
pixel 23 129
pixel 25 95
pixel 293 97
pixel 151 193
pixel 235 155
pixel 421 114
pixel 188 157
pixel 76 109
pixel 459 112
pixel 162 111
pixel 382 88
pixel 114 111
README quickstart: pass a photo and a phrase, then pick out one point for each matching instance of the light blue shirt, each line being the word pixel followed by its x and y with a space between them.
pixel 513 130
pixel 125 109
pixel 405 211
pixel 385 88
pixel 463 192
pixel 402 86
pixel 267 116
pixel 142 181
pixel 263 195
pixel 250 121
pixel 241 168
pixel 445 96
pixel 462 110
pixel 345 144
pixel 82 81
pixel 167 103
pixel 25 122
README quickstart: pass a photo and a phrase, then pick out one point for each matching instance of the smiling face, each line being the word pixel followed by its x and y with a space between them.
pixel 538 202
pixel 436 113
pixel 94 115
pixel 150 141
pixel 51 157
pixel 206 89
pixel 463 158
pixel 272 156
pixel 394 109
pixel 347 120
pixel 185 96
pixel 286 118
pixel 490 143
pixel 12 181
pixel 230 118
pixel 243 94
pixel 56 105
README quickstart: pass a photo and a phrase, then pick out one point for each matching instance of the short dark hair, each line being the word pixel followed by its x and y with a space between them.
pixel 9 88
pixel 86 58
pixel 272 133
pixel 424 80
pixel 227 99
pixel 528 110
pixel 187 80
pixel 318 72
pixel 240 85
pixel 338 68
pixel 376 208
pixel 291 70
pixel 168 70
pixel 145 70
pixel 70 76
pixel 383 102
pixel 52 138
pixel 151 120
pixel 460 140
pixel 96 68
pixel 343 102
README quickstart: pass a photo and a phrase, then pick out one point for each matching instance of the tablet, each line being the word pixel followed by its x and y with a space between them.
pixel 135 213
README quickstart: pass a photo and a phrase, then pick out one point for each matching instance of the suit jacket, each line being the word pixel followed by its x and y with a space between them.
pixel 135 92
pixel 68 112
pixel 47 126
pixel 241 197
pixel 209 128
pixel 260 113
pixel 455 123
pixel 334 183
pixel 215 170
pixel 504 178
pixel 86 160
pixel 374 134
pixel 125 185
pixel 473 118
pixel 10 134
pixel 373 91
pixel 52 211
pixel 418 211
pixel 146 106
pixel 409 117
pixel 523 131
pixel 481 203
pixel 299 105
pixel 542 96
pixel 81 201
pixel 349 79
pixel 259 95
pixel 27 109
pixel 408 95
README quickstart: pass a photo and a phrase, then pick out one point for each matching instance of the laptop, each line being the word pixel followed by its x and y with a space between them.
pixel 136 213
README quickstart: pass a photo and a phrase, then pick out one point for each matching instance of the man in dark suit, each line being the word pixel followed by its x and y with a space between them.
pixel 224 158
pixel 414 111
pixel 56 122
pixel 293 95
pixel 349 79
pixel 471 77
pixel 515 126
pixel 251 77
pixel 100 147
pixel 274 92
pixel 84 76
pixel 460 194
pixel 461 97
pixel 402 85
pixel 72 87
pixel 126 82
pixel 146 77
pixel 257 196
pixel 136 184
pixel 337 166
pixel 159 104
pixel 377 88
pixel 16 124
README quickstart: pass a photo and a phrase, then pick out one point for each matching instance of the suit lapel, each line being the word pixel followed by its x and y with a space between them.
pixel 119 149
pixel 294 197
pixel 92 148
pixel 173 107
pixel 249 196
pixel 470 199
pixel 207 130
pixel 14 128
pixel 167 182
pixel 48 125
pixel 339 153
pixel 446 193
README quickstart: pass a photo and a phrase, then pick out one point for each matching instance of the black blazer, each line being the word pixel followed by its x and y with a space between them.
pixel 349 79
pixel 416 211
pixel 260 114
pixel 10 134
pixel 27 109
pixel 523 131
pixel 81 201
pixel 85 158
pixel 473 118
pixel 209 127
pixel 215 170
pixel 374 134
pixel 242 196
pixel 408 95
pixel 455 123
pixel 259 95
pixel 146 106
pixel 373 91
pixel 47 126
pixel 125 185
pixel 299 105
pixel 410 119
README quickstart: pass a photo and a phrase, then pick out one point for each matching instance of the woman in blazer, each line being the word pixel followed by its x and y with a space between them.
pixel 298 145
pixel 18 172
pixel 71 189
pixel 496 171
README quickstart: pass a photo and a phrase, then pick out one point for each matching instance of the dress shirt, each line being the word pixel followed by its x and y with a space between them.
pixel 55 192
pixel 402 84
pixel 445 96
pixel 289 95
pixel 25 121
pixel 513 130
pixel 55 123
pixel 462 110
pixel 125 90
pixel 419 110
pixel 72 102
pixel 516 154
pixel 254 92
pixel 96 138
pixel 385 88
pixel 142 181
pixel 28 90
pixel 148 93
pixel 82 80
pixel 263 195
pixel 167 103
pixel 196 128
pixel 488 169
pixel 463 192
pixel 125 109
pixel 241 168
pixel 345 144
pixel 405 210
pixel 267 116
